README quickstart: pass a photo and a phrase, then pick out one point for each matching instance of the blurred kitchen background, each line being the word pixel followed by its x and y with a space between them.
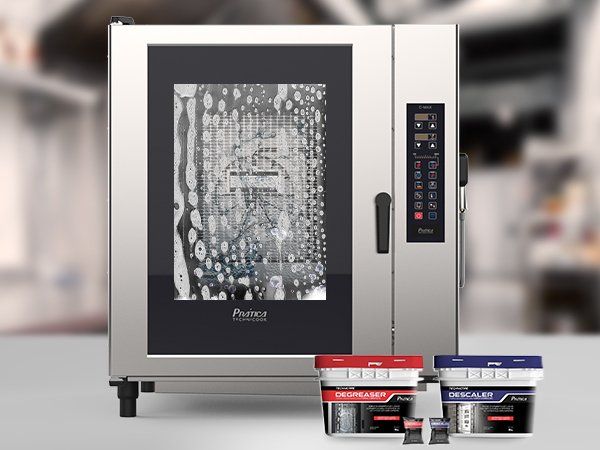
pixel 530 122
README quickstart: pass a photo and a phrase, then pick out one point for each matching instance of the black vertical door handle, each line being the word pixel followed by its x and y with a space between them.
pixel 382 204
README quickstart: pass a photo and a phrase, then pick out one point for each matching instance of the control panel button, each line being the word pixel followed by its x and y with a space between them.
pixel 432 195
pixel 432 215
pixel 418 215
pixel 418 125
pixel 418 185
pixel 418 205
pixel 432 184
pixel 432 175
pixel 432 165
pixel 419 145
pixel 432 205
pixel 432 117
pixel 432 126
pixel 432 145
pixel 418 164
pixel 418 175
pixel 418 195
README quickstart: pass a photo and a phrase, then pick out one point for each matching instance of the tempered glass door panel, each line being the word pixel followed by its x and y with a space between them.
pixel 249 200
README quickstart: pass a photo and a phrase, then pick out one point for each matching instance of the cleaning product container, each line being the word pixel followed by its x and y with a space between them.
pixel 490 396
pixel 367 395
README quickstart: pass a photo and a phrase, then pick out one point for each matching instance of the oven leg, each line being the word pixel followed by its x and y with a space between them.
pixel 127 392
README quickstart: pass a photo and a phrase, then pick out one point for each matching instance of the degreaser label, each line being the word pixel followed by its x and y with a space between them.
pixel 349 409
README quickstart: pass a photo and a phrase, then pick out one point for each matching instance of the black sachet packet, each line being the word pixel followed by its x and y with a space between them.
pixel 440 427
pixel 413 430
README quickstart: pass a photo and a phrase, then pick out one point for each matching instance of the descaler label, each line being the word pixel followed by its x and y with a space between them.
pixel 489 409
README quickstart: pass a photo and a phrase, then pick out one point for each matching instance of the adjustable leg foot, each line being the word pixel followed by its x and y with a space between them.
pixel 127 392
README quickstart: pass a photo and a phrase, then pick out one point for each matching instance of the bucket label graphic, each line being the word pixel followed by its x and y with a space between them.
pixel 489 409
pixel 372 409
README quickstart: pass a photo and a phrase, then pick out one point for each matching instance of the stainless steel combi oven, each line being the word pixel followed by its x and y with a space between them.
pixel 278 192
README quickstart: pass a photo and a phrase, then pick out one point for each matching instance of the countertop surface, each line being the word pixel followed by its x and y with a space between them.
pixel 54 394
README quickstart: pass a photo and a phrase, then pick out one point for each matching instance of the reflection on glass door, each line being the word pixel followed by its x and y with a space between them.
pixel 249 197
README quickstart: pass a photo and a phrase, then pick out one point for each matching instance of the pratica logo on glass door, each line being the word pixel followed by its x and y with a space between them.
pixel 249 197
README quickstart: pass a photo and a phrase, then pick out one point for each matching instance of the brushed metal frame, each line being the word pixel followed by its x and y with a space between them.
pixel 426 274
pixel 372 173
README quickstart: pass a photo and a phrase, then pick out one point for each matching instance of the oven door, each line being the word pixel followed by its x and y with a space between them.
pixel 244 166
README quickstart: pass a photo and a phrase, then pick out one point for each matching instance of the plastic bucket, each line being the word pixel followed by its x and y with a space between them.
pixel 367 395
pixel 490 396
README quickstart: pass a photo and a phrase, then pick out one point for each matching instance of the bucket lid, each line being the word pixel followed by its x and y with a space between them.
pixel 487 361
pixel 369 361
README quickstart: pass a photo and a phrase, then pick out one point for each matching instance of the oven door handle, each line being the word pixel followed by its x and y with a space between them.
pixel 462 210
pixel 382 206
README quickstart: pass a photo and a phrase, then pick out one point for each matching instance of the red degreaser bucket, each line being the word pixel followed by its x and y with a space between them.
pixel 368 394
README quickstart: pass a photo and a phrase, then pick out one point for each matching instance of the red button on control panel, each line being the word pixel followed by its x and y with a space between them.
pixel 418 215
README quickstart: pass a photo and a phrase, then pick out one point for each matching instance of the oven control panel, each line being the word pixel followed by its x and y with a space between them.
pixel 425 172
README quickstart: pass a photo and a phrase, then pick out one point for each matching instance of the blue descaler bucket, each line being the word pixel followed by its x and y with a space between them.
pixel 491 396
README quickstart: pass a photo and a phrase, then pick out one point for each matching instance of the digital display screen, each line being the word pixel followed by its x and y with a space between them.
pixel 425 116
pixel 425 136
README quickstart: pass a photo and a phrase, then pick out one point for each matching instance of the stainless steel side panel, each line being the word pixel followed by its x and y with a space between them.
pixel 425 274
pixel 372 173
